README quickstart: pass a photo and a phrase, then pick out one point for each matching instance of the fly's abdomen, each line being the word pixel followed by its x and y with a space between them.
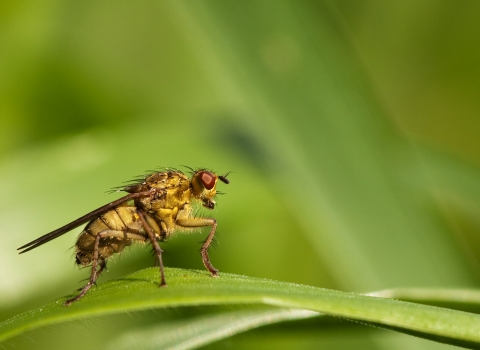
pixel 116 228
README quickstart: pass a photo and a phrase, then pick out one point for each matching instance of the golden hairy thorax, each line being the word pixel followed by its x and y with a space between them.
pixel 174 197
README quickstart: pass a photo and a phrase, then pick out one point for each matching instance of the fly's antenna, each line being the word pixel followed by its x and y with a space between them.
pixel 224 179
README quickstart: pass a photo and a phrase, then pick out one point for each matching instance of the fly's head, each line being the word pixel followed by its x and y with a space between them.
pixel 204 186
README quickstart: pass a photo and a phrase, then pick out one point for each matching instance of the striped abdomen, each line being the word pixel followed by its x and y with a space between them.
pixel 119 227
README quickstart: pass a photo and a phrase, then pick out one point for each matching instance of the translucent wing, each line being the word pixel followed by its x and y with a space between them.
pixel 94 214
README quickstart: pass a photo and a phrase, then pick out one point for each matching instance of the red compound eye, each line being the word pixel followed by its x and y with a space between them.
pixel 208 179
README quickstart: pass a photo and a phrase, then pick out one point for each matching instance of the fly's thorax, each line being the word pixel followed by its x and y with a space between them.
pixel 167 217
pixel 159 180
pixel 166 179
pixel 170 181
pixel 173 191
pixel 168 198
pixel 173 194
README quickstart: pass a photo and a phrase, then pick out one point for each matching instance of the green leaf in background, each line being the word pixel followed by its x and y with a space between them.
pixel 339 163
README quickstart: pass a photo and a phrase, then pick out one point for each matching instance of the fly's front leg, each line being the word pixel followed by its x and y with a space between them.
pixel 200 222
pixel 156 246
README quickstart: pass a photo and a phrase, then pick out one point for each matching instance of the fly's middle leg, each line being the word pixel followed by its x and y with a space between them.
pixel 200 222
pixel 155 245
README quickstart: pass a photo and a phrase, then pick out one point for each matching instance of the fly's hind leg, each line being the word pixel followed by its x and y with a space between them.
pixel 200 222
pixel 100 260
pixel 155 245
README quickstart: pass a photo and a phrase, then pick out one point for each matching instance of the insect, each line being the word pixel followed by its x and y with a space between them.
pixel 157 205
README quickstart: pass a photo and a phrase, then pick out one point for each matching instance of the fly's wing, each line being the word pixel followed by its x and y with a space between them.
pixel 94 214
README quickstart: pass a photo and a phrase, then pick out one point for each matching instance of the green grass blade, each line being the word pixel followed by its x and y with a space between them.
pixel 204 330
pixel 191 334
pixel 459 299
pixel 140 291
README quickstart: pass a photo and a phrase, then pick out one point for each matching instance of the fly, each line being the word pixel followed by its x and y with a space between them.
pixel 156 206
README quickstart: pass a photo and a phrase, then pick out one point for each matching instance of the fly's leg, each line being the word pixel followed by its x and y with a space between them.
pixel 96 259
pixel 200 222
pixel 93 275
pixel 103 266
pixel 156 246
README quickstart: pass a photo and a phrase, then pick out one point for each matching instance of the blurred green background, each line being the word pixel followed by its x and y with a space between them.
pixel 350 127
